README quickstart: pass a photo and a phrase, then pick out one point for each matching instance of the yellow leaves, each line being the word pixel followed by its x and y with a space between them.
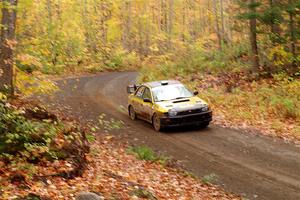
pixel 2 96
pixel 30 84
pixel 279 55
pixel 26 59
pixel 154 48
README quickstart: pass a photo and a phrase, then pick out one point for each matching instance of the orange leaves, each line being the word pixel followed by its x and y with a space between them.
pixel 113 173
pixel 11 43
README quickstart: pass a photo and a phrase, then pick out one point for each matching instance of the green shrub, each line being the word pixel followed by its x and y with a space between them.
pixel 210 178
pixel 53 70
pixel 146 153
pixel 143 153
pixel 20 136
pixel 111 124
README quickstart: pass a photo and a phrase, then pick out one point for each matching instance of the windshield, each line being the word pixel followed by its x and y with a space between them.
pixel 170 92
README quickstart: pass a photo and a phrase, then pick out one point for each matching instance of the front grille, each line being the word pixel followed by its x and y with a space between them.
pixel 189 112
pixel 196 118
pixel 191 118
pixel 187 119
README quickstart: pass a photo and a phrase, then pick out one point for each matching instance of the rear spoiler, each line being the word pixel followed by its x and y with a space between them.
pixel 132 88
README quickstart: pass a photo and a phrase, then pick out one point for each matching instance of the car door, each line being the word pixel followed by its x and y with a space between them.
pixel 146 109
pixel 138 100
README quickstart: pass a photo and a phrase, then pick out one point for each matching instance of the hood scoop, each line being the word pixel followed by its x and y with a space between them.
pixel 180 101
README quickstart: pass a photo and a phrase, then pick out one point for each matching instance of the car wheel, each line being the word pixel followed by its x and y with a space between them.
pixel 132 113
pixel 205 124
pixel 156 123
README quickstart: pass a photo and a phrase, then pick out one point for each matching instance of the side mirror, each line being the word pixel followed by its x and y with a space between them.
pixel 146 100
pixel 196 93
pixel 131 89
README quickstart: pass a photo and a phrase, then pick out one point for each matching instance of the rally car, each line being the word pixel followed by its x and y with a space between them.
pixel 167 104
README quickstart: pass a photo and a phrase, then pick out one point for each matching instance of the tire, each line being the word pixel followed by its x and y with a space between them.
pixel 205 125
pixel 156 123
pixel 132 113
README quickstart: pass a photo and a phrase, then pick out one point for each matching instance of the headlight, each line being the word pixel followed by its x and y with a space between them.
pixel 205 108
pixel 172 113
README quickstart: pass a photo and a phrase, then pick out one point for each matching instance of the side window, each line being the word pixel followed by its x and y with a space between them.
pixel 147 94
pixel 139 92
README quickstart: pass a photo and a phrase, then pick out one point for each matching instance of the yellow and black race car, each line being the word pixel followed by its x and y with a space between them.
pixel 167 104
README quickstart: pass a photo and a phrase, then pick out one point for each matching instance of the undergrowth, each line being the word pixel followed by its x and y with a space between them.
pixel 224 81
pixel 20 136
pixel 146 153
pixel 274 105
pixel 31 134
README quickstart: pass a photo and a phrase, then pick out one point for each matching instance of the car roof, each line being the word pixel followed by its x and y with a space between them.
pixel 160 83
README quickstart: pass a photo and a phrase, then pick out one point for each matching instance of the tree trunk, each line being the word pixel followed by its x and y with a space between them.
pixel 51 33
pixel 217 27
pixel 253 38
pixel 103 24
pixel 228 21
pixel 292 35
pixel 8 22
pixel 275 27
pixel 183 22
pixel 86 24
pixel 147 35
pixel 126 26
pixel 163 18
pixel 224 37
pixel 170 24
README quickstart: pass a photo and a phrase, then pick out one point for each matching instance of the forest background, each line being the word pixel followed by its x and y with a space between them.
pixel 242 55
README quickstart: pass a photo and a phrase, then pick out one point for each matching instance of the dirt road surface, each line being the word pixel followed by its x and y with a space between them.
pixel 253 166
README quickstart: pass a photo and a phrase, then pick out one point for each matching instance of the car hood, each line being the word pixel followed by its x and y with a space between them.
pixel 186 103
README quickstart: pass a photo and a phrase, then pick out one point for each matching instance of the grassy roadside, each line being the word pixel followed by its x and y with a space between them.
pixel 270 105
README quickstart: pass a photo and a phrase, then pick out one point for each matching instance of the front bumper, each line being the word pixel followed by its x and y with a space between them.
pixel 183 120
